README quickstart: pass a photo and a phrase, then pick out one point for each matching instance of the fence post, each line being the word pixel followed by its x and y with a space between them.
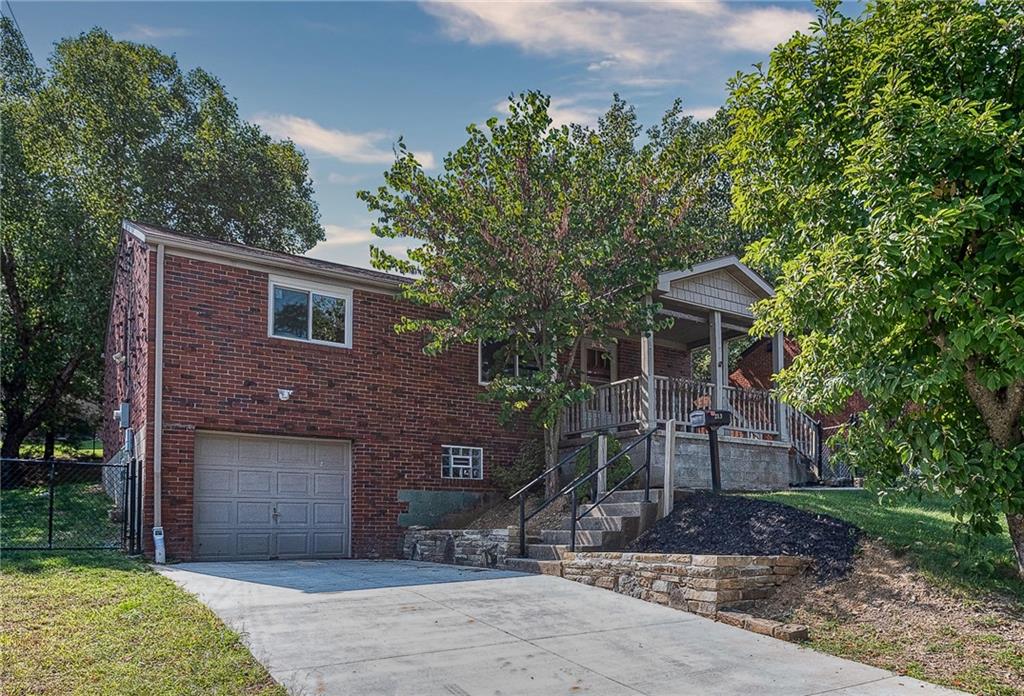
pixel 818 433
pixel 667 501
pixel 49 533
pixel 522 525
pixel 572 521
pixel 602 460
pixel 647 469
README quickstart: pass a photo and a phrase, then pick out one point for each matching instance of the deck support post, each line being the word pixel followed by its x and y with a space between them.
pixel 602 459
pixel 719 379
pixel 778 363
pixel 667 477
pixel 649 415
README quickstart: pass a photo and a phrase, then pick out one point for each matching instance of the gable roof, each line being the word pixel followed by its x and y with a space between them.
pixel 264 259
pixel 729 264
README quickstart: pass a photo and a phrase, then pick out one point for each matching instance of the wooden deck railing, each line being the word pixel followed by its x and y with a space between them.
pixel 622 404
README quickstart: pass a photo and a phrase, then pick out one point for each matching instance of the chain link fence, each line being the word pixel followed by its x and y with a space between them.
pixel 63 504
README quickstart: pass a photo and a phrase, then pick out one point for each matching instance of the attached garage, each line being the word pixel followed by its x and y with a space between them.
pixel 261 497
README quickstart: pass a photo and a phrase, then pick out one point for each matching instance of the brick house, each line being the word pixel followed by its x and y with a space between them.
pixel 276 413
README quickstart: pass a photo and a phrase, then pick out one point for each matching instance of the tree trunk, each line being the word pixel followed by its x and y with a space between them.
pixel 552 436
pixel 1016 525
pixel 49 444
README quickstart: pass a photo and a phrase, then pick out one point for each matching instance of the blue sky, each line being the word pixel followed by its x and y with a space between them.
pixel 344 80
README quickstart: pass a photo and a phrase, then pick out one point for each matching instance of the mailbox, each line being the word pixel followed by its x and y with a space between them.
pixel 710 419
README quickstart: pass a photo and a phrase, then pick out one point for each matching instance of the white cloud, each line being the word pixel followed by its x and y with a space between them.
pixel 702 113
pixel 564 111
pixel 763 28
pixel 632 43
pixel 147 32
pixel 340 235
pixel 371 147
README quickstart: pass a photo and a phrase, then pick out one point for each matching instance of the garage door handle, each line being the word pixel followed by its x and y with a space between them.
pixel 275 514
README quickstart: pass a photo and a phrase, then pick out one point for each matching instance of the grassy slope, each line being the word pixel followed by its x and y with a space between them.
pixel 80 517
pixel 925 531
pixel 99 623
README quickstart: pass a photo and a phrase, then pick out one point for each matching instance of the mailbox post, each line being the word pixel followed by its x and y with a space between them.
pixel 712 421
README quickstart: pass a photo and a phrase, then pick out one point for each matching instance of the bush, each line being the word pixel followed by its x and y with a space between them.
pixel 526 465
pixel 587 461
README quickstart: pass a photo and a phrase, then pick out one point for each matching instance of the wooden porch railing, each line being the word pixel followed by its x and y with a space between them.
pixel 622 404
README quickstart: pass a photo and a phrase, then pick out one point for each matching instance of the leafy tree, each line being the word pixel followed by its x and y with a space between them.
pixel 884 155
pixel 115 130
pixel 540 237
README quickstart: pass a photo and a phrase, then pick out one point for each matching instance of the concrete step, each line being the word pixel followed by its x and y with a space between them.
pixel 633 496
pixel 618 509
pixel 585 537
pixel 532 565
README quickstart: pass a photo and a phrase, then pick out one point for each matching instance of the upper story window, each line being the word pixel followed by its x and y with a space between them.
pixel 309 312
pixel 496 359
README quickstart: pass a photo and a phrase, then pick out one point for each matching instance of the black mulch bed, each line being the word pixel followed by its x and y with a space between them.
pixel 731 524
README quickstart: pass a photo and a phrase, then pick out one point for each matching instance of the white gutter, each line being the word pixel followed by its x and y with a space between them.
pixel 158 410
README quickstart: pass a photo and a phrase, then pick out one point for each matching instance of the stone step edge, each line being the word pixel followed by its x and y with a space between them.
pixel 794 633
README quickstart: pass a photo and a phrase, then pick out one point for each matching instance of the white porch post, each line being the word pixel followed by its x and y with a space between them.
pixel 778 363
pixel 650 416
pixel 718 377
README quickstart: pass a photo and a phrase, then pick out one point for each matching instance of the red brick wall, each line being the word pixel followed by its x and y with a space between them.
pixel 668 362
pixel 129 317
pixel 396 405
pixel 754 371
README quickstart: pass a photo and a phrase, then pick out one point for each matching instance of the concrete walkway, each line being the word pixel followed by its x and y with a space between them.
pixel 402 627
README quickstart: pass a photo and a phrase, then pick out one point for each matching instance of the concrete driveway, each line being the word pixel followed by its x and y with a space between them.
pixel 402 627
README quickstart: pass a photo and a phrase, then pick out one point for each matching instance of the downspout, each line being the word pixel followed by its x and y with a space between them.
pixel 159 553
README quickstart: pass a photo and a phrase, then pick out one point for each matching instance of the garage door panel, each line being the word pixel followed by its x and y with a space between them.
pixel 257 451
pixel 216 545
pixel 293 544
pixel 215 513
pixel 254 544
pixel 255 513
pixel 215 481
pixel 329 485
pixel 293 483
pixel 329 514
pixel 293 513
pixel 255 482
pixel 295 452
pixel 328 544
pixel 241 480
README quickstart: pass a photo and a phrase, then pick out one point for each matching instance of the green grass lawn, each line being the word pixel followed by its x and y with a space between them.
pixel 923 529
pixel 86 449
pixel 100 623
pixel 81 516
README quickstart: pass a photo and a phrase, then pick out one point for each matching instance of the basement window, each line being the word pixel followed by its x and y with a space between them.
pixel 310 313
pixel 458 462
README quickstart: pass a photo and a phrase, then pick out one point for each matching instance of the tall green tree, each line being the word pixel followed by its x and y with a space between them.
pixel 115 130
pixel 884 155
pixel 541 237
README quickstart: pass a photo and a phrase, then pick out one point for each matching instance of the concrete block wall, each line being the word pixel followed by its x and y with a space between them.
pixel 746 465
pixel 702 584
pixel 484 548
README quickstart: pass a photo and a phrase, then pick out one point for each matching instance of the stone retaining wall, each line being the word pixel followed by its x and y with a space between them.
pixel 486 548
pixel 701 584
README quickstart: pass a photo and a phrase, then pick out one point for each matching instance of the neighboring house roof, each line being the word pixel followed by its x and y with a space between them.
pixel 264 259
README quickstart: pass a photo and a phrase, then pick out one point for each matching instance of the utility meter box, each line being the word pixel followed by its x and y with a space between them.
pixel 710 419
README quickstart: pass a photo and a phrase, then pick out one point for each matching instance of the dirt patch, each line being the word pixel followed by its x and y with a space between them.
pixel 505 513
pixel 886 614
pixel 728 524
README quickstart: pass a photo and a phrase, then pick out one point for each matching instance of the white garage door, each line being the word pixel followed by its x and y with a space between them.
pixel 271 497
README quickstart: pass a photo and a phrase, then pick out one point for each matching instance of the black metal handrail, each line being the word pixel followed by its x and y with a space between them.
pixel 521 493
pixel 584 478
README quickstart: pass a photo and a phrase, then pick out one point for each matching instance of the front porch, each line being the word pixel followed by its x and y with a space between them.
pixel 643 382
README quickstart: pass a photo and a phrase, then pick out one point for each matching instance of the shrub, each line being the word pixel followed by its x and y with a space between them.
pixel 527 464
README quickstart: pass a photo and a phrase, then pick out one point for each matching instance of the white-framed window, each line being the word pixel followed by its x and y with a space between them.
pixel 494 358
pixel 460 462
pixel 309 312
